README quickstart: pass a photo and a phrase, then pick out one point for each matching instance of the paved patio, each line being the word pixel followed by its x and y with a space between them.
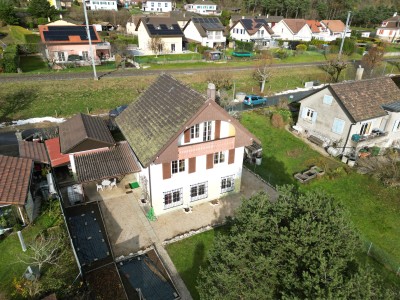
pixel 166 226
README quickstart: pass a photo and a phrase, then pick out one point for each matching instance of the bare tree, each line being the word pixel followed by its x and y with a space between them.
pixel 263 73
pixel 156 44
pixel 44 250
pixel 335 66
pixel 373 58
pixel 221 79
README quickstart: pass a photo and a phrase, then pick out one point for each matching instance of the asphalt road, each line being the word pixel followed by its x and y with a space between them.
pixel 134 72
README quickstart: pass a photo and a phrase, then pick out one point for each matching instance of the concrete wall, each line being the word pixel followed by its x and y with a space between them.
pixel 184 180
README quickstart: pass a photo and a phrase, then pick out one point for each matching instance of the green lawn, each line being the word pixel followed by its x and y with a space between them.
pixel 33 64
pixel 372 208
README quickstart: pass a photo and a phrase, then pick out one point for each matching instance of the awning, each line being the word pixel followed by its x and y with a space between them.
pixel 56 157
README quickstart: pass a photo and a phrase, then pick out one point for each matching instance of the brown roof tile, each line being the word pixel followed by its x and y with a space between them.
pixel 56 157
pixel 314 25
pixel 105 163
pixel 334 25
pixel 392 23
pixel 83 132
pixel 15 174
pixel 295 25
pixel 364 99
pixel 33 150
pixel 159 113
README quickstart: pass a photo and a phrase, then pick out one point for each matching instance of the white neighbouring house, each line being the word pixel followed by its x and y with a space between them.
pixel 165 30
pixel 292 30
pixel 203 7
pixel 252 30
pixel 189 148
pixel 157 6
pixel 351 115
pixel 207 31
pixel 101 4
pixel 390 29
pixel 335 28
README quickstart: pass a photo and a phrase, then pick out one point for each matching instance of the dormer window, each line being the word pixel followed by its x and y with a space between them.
pixel 158 27
pixel 384 24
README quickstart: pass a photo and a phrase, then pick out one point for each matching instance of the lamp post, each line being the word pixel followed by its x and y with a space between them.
pixel 344 34
pixel 90 41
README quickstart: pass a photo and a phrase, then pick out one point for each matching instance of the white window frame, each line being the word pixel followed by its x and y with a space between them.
pixel 227 184
pixel 365 128
pixel 173 197
pixel 219 157
pixel 396 126
pixel 207 131
pixel 195 131
pixel 61 56
pixel 173 49
pixel 196 188
pixel 309 114
pixel 178 166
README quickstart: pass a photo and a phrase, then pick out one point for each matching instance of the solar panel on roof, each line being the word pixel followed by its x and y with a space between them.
pixel 62 33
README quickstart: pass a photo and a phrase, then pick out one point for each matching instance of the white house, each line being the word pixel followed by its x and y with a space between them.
pixel 163 31
pixel 203 7
pixel 252 30
pixel 157 6
pixel 189 148
pixel 101 5
pixel 293 30
pixel 352 115
pixel 390 29
pixel 207 31
pixel 335 28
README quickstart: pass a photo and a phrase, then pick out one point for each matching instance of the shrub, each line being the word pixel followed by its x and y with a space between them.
pixel 312 48
pixel 281 53
pixel 361 50
pixel 244 46
pixel 301 48
pixel 277 120
pixel 10 59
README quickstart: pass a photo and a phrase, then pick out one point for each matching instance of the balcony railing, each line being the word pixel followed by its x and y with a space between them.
pixel 357 138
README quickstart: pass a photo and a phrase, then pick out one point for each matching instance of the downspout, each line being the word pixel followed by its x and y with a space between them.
pixel 348 134
pixel 21 214
pixel 151 199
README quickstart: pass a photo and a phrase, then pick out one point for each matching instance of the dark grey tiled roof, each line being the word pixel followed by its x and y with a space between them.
pixel 364 99
pixel 81 128
pixel 159 113
pixel 395 106
pixel 161 26
pixel 207 24
pixel 113 162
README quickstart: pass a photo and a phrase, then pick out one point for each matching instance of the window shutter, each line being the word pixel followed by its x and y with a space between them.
pixel 192 165
pixel 396 124
pixel 314 118
pixel 231 158
pixel 217 129
pixel 304 112
pixel 187 136
pixel 166 170
pixel 210 161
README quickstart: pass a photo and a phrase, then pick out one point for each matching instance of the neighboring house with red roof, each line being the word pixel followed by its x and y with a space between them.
pixel 293 30
pixel 390 29
pixel 252 30
pixel 163 33
pixel 351 115
pixel 203 7
pixel 15 185
pixel 208 31
pixel 190 150
pixel 70 44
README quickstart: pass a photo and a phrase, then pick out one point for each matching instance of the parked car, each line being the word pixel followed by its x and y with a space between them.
pixel 117 111
pixel 254 100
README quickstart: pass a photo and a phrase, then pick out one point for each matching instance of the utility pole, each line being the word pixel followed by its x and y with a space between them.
pixel 344 34
pixel 90 41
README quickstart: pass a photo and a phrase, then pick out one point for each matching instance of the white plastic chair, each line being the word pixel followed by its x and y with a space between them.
pixel 99 187
pixel 113 183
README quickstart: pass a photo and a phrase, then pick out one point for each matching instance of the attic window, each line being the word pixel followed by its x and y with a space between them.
pixel 328 99
pixel 384 24
pixel 171 27
pixel 158 27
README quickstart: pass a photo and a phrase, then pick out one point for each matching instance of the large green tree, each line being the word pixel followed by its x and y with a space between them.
pixel 299 247
pixel 41 9
pixel 7 13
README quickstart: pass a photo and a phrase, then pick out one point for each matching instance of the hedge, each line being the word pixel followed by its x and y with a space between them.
pixel 10 59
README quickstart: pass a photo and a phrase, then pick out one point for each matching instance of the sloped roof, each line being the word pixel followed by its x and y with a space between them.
pixel 107 163
pixel 203 2
pixel 392 23
pixel 253 25
pixel 334 25
pixel 33 150
pixel 159 113
pixel 204 24
pixel 295 25
pixel 15 174
pixel 314 25
pixel 269 19
pixel 56 157
pixel 60 23
pixel 364 99
pixel 81 128
pixel 67 34
pixel 161 26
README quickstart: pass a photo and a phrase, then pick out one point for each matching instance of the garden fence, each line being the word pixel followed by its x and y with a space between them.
pixel 381 256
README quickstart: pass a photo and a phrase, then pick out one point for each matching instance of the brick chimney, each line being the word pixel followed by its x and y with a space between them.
pixel 211 91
